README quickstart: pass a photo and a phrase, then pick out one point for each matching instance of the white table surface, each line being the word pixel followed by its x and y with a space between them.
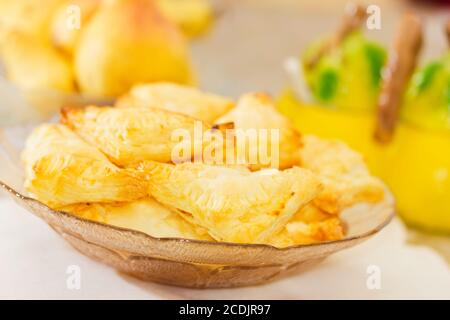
pixel 34 261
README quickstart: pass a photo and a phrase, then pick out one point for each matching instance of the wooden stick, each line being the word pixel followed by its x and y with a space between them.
pixel 400 66
pixel 353 18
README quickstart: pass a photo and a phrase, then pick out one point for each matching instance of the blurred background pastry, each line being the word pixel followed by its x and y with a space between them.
pixel 59 52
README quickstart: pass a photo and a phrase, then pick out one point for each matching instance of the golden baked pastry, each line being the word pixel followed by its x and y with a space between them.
pixel 257 111
pixel 62 169
pixel 193 17
pixel 116 165
pixel 103 47
pixel 146 215
pixel 65 38
pixel 343 173
pixel 129 42
pixel 128 135
pixel 33 64
pixel 177 98
pixel 233 204
pixel 27 16
pixel 309 225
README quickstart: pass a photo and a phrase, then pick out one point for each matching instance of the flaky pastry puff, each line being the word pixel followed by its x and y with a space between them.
pixel 309 225
pixel 62 169
pixel 177 98
pixel 233 204
pixel 145 215
pixel 130 135
pixel 257 111
pixel 343 172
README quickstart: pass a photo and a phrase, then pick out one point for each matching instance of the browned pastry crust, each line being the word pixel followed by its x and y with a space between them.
pixel 177 98
pixel 112 165
pixel 343 173
pixel 233 204
pixel 146 215
pixel 62 169
pixel 257 111
pixel 130 135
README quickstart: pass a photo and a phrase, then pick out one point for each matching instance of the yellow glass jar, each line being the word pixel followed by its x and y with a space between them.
pixel 417 169
pixel 415 165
